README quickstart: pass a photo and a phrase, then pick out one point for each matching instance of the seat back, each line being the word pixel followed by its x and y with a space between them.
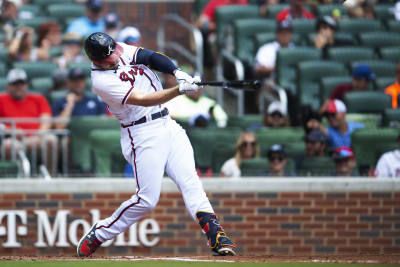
pixel 394 25
pixel 284 136
pixel 328 84
pixel 326 10
pixel 390 53
pixel 317 166
pixel 391 118
pixel 8 169
pixel 244 121
pixel 356 26
pixel 36 69
pixel 367 102
pixel 41 84
pixel 379 39
pixel 349 54
pixel 381 68
pixel 203 143
pixel 253 167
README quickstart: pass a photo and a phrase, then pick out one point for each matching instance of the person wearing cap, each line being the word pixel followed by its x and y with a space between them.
pixel 130 35
pixel 17 102
pixel 277 160
pixel 296 10
pixel 77 102
pixel 389 164
pixel 325 38
pixel 275 116
pixel 316 143
pixel 361 80
pixel 265 60
pixel 92 22
pixel 112 24
pixel 345 162
pixel 339 130
pixel 72 48
pixel 394 89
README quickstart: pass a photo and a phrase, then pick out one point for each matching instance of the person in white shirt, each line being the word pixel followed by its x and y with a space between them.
pixel 246 148
pixel 266 54
pixel 389 164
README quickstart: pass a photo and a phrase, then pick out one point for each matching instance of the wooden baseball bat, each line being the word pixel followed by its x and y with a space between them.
pixel 239 84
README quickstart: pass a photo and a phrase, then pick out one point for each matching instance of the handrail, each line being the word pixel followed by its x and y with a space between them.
pixel 197 58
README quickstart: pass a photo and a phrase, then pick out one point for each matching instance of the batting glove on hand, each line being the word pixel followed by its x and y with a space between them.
pixel 188 88
pixel 182 76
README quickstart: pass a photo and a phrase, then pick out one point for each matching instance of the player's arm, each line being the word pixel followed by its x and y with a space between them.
pixel 138 98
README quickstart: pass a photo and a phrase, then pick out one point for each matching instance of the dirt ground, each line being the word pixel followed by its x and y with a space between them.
pixel 382 259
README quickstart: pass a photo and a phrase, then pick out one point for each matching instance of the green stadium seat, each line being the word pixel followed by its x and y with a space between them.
pixel 2 37
pixel 296 149
pixel 287 60
pixel 329 83
pixel 367 102
pixel 8 169
pixel 3 69
pixel 105 144
pixel 326 10
pixel 383 82
pixel 273 10
pixel 303 26
pixel 203 142
pixel 391 118
pixel 253 167
pixel 56 51
pixel 4 57
pixel 42 84
pixel 37 69
pixel 225 16
pixel 244 122
pixel 56 95
pixel 383 11
pixel 356 26
pixel 317 166
pixel 63 11
pixel 3 84
pixel 85 66
pixel 34 22
pixel 29 11
pixel 369 120
pixel 268 136
pixel 347 37
pixel 394 25
pixel 366 142
pixel 198 6
pixel 348 54
pixel 379 39
pixel 390 53
pixel 220 155
pixel 381 68
pixel 80 128
pixel 46 3
pixel 244 29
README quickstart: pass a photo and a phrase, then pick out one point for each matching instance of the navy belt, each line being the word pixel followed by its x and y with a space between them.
pixel 143 119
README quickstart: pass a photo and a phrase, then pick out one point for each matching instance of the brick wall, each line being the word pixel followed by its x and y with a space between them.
pixel 260 223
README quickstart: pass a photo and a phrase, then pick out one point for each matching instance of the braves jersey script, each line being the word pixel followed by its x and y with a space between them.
pixel 115 86
pixel 388 165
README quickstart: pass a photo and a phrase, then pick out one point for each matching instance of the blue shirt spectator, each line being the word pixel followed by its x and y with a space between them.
pixel 337 139
pixel 87 106
pixel 92 22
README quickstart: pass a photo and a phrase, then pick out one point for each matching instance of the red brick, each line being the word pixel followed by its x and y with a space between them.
pixel 336 241
pixel 105 196
pixel 256 203
pixel 358 226
pixel 397 195
pixel 244 211
pixel 291 242
pixel 391 250
pixel 359 242
pixel 301 203
pixel 302 250
pixel 313 211
pixel 325 202
pixel 290 195
pixel 245 195
pixel 182 242
pixel 13 196
pixel 257 249
pixel 246 241
pixel 382 241
pixel 279 233
pixel 313 195
pixel 272 241
pixel 301 218
pixel 324 234
pixel 312 226
pixel 359 195
pixel 388 202
pixel 279 218
pixel 125 196
pixel 166 203
pixel 347 218
pixel 336 226
pixel 173 196
pixel 347 234
pixel 161 218
pixel 377 211
pixel 346 202
pixel 221 195
pixel 59 196
pixel 268 226
pixel 358 210
pixel 243 226
pixel 256 218
pixel 234 203
pixel 370 203
pixel 278 203
pixel 256 234
pixel 94 204
pixel 370 250
pixel 6 204
pixel 347 250
pixel 81 212
pixel 335 211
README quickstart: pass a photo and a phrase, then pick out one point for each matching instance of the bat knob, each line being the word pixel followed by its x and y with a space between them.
pixel 256 84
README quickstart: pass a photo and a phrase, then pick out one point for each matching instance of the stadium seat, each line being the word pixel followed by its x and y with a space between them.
pixel 244 30
pixel 3 84
pixel 203 142
pixel 3 69
pixel 383 11
pixel 287 60
pixel 356 26
pixel 2 37
pixel 381 68
pixel 56 95
pixel 102 144
pixel 34 22
pixel 55 51
pixel 369 120
pixel 85 66
pixel 80 128
pixel 8 169
pixel 41 85
pixel 379 39
pixel 330 83
pixel 367 102
pixel 36 69
pixel 29 11
pixel 4 57
pixel 391 118
pixel 46 3
pixel 273 10
pixel 285 136
pixel 347 37
pixel 383 82
pixel 394 25
pixel 317 166
pixel 296 149
pixel 348 54
pixel 253 167
pixel 326 10
pixel 390 53
pixel 225 16
pixel 220 155
pixel 244 121
pixel 366 142
pixel 303 26
pixel 63 11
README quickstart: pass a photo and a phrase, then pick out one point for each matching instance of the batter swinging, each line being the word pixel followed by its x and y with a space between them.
pixel 150 140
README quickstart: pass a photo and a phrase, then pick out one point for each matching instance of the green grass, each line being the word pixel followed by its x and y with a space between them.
pixel 88 263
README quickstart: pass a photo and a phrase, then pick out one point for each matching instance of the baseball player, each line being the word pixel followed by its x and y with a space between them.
pixel 150 140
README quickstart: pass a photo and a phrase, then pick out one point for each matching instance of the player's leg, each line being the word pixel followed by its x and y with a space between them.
pixel 181 169
pixel 148 160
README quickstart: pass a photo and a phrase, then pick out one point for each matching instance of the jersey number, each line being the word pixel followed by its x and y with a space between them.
pixel 131 78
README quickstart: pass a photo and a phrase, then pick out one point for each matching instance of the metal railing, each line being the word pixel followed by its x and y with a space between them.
pixel 195 58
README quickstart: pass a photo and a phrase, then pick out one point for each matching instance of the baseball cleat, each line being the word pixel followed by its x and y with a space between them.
pixel 88 243
pixel 218 241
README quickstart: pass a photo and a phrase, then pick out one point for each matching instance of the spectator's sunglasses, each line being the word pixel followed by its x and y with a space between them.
pixel 245 144
pixel 342 160
pixel 18 82
pixel 277 114
pixel 272 159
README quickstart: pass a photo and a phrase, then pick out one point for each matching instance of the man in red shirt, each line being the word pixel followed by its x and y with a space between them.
pixel 18 103
pixel 295 11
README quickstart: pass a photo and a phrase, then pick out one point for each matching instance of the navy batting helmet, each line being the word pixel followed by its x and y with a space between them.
pixel 99 46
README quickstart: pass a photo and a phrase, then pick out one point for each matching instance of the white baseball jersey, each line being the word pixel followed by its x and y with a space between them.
pixel 388 165
pixel 115 86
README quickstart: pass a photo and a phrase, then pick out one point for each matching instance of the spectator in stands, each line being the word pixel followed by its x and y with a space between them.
pixel 361 9
pixel 19 103
pixel 396 10
pixel 326 35
pixel 8 16
pixel 274 117
pixel 339 130
pixel 266 56
pixel 112 24
pixel 316 143
pixel 362 77
pixel 21 47
pixel 277 160
pixel 345 162
pixel 72 48
pixel 49 35
pixel 394 89
pixel 264 4
pixel 246 148
pixel 389 164
pixel 92 22
pixel 296 10
pixel 77 102
pixel 130 35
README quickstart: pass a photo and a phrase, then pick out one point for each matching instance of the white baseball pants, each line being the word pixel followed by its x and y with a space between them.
pixel 152 148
